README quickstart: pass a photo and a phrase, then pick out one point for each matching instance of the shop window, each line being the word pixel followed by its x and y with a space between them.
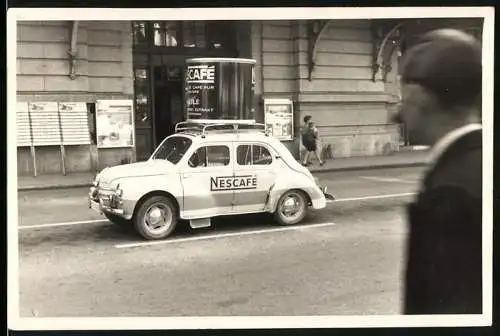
pixel 140 33
pixel 141 87
pixel 194 34
pixel 174 73
pixel 221 35
pixel 186 34
pixel 165 34
pixel 247 155
pixel 210 156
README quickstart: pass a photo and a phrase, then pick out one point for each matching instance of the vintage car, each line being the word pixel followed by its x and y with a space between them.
pixel 203 171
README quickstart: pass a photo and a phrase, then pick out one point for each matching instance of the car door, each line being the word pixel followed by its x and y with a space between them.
pixel 255 173
pixel 204 181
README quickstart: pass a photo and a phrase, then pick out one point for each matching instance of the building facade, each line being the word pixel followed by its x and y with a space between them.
pixel 344 73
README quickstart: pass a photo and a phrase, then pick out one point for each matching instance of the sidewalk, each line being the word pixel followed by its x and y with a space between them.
pixel 399 159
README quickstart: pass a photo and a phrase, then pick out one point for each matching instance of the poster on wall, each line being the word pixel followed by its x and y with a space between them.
pixel 114 123
pixel 278 118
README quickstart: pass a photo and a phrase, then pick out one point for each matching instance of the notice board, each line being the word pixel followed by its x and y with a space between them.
pixel 74 123
pixel 45 123
pixel 278 118
pixel 115 123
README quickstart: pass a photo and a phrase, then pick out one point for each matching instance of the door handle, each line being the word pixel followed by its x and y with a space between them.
pixel 187 175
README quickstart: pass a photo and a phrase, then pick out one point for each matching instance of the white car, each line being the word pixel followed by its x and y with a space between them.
pixel 203 171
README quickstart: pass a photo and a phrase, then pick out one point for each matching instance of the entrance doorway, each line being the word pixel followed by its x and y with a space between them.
pixel 168 108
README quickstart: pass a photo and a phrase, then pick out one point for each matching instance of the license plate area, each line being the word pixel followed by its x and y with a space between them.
pixel 105 201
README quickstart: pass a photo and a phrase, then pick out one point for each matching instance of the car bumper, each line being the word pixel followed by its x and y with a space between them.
pixel 99 208
pixel 329 197
pixel 319 203
pixel 125 209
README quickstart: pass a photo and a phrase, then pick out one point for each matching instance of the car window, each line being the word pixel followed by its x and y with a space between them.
pixel 210 156
pixel 253 155
pixel 244 155
pixel 172 149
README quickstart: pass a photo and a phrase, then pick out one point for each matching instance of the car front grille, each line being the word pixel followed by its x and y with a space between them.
pixel 105 200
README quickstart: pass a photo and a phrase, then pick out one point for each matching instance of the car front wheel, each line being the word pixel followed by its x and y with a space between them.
pixel 291 208
pixel 156 218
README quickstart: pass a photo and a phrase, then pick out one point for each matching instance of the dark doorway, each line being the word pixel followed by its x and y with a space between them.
pixel 167 100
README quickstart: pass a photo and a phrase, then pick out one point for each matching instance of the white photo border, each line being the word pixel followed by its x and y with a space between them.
pixel 15 322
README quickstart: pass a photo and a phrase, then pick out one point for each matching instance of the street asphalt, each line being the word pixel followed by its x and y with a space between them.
pixel 346 259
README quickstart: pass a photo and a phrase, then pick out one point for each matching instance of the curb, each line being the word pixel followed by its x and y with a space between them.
pixel 55 187
pixel 313 170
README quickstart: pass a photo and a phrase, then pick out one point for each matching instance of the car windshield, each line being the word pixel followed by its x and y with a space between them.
pixel 172 149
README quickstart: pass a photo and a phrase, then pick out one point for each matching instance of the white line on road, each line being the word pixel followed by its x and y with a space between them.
pixel 224 235
pixel 97 221
pixel 387 179
pixel 42 226
pixel 372 197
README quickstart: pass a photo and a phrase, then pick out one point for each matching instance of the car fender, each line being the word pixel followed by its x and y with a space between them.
pixel 287 182
pixel 135 188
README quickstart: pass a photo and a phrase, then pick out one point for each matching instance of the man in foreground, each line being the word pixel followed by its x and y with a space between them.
pixel 441 89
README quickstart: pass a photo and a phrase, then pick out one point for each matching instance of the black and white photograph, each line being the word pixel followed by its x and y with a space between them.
pixel 197 168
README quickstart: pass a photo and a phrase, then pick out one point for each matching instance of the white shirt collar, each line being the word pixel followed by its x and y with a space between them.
pixel 440 147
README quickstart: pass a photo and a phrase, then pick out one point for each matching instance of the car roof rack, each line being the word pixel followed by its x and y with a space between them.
pixel 188 126
pixel 219 128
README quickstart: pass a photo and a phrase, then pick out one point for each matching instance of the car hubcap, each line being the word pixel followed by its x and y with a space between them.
pixel 291 207
pixel 158 218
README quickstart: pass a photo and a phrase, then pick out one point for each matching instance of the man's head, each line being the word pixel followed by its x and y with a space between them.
pixel 441 84
pixel 307 119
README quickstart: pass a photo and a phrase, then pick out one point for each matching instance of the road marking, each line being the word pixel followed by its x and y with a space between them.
pixel 372 197
pixel 387 179
pixel 41 226
pixel 223 235
pixel 96 221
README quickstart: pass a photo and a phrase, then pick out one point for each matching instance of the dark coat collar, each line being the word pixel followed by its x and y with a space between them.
pixel 468 142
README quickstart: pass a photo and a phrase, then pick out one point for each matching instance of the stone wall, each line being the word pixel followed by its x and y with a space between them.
pixel 352 112
pixel 103 71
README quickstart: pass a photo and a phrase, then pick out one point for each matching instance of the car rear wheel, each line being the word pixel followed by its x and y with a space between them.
pixel 116 219
pixel 156 218
pixel 291 208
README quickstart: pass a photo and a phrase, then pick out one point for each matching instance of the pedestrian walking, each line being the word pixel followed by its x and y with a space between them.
pixel 310 136
pixel 441 95
pixel 302 148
